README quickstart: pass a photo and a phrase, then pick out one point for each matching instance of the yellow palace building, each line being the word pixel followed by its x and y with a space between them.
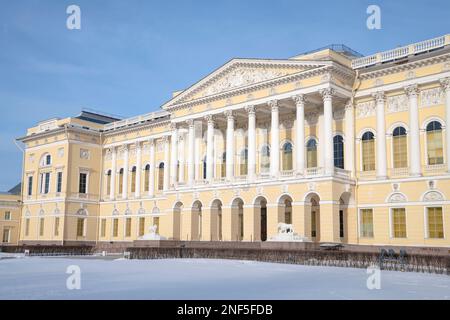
pixel 347 149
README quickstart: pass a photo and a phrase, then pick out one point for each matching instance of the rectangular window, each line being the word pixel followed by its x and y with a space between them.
pixel 156 223
pixel 47 183
pixel 398 223
pixel 6 235
pixel 30 185
pixel 103 228
pixel 56 226
pixel 313 224
pixel 435 223
pixel 7 215
pixel 128 228
pixel 366 223
pixel 368 155
pixel 83 183
pixel 116 227
pixel 400 151
pixel 80 227
pixel 141 226
pixel 59 182
pixel 341 223
pixel 41 227
pixel 27 227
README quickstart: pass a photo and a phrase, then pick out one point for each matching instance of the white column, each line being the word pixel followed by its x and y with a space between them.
pixel 275 140
pixel 349 139
pixel 414 131
pixel 191 155
pixel 113 173
pixel 209 148
pixel 182 143
pixel 174 154
pixel 137 193
pixel 381 165
pixel 251 148
pixel 198 141
pixel 230 145
pixel 166 163
pixel 125 172
pixel 445 83
pixel 328 155
pixel 300 101
pixel 151 187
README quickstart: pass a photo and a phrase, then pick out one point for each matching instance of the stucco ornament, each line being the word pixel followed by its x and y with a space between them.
pixel 397 197
pixel 431 97
pixel 397 103
pixel 365 110
pixel 433 196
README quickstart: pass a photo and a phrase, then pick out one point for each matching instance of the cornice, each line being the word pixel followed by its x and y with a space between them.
pixel 137 127
pixel 404 67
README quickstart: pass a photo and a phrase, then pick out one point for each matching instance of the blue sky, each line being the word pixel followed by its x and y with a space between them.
pixel 130 55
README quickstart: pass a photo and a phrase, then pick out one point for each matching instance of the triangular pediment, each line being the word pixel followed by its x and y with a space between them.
pixel 241 73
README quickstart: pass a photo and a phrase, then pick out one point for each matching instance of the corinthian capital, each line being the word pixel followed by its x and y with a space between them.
pixel 250 109
pixel 299 99
pixel 412 90
pixel 327 93
pixel 190 122
pixel 445 84
pixel 173 126
pixel 273 104
pixel 379 96
pixel 229 114
pixel 209 119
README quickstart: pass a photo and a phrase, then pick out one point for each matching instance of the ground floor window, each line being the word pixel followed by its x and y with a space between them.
pixel 56 231
pixel 41 227
pixel 103 228
pixel 341 223
pixel 27 227
pixel 141 226
pixel 115 227
pixel 366 224
pixel 156 223
pixel 128 227
pixel 398 223
pixel 313 224
pixel 435 223
pixel 6 235
pixel 80 227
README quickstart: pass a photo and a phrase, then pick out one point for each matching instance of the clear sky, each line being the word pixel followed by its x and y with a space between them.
pixel 129 56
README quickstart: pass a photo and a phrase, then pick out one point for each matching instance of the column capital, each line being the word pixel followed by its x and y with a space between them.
pixel 273 104
pixel 250 109
pixel 412 90
pixel 173 126
pixel 229 114
pixel 125 147
pixel 349 105
pixel 380 96
pixel 299 99
pixel 165 139
pixel 209 119
pixel 327 93
pixel 138 145
pixel 445 84
pixel 190 122
pixel 151 141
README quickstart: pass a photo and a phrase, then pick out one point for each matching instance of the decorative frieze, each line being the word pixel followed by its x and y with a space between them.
pixel 365 109
pixel 431 97
pixel 397 103
pixel 84 154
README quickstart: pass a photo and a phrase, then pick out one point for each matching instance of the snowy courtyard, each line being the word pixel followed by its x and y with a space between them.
pixel 45 278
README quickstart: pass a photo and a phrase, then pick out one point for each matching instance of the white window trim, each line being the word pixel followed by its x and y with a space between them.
pixel 391 137
pixel 359 224
pixel 425 132
pixel 87 180
pixel 425 217
pixel 391 222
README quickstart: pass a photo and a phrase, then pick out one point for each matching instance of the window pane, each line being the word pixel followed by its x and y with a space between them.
pixel 368 155
pixel 83 182
pixel 287 156
pixel 115 227
pixel 399 222
pixel 103 228
pixel 366 223
pixel 434 147
pixel 80 227
pixel 128 228
pixel 141 226
pixel 435 223
pixel 338 143
pixel 400 149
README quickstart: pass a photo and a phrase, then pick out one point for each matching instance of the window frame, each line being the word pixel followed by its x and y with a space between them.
pixel 392 223
pixel 341 136
pixel 427 143
pixel 393 149
pixel 426 222
pixel 86 186
pixel 373 141
pixel 360 221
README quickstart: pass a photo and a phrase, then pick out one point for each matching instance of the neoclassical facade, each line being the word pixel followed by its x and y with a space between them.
pixel 347 149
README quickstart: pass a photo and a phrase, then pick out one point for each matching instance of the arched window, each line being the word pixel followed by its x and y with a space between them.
pixel 338 143
pixel 435 150
pixel 147 177
pixel 223 167
pixel 161 176
pixel 46 160
pixel 120 181
pixel 265 158
pixel 368 151
pixel 311 154
pixel 133 179
pixel 287 156
pixel 243 169
pixel 204 167
pixel 400 148
pixel 108 182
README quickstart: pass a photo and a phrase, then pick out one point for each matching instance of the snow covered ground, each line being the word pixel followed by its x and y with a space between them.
pixel 45 278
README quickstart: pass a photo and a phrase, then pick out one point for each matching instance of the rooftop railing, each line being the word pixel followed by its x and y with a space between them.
pixel 402 52
pixel 135 120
